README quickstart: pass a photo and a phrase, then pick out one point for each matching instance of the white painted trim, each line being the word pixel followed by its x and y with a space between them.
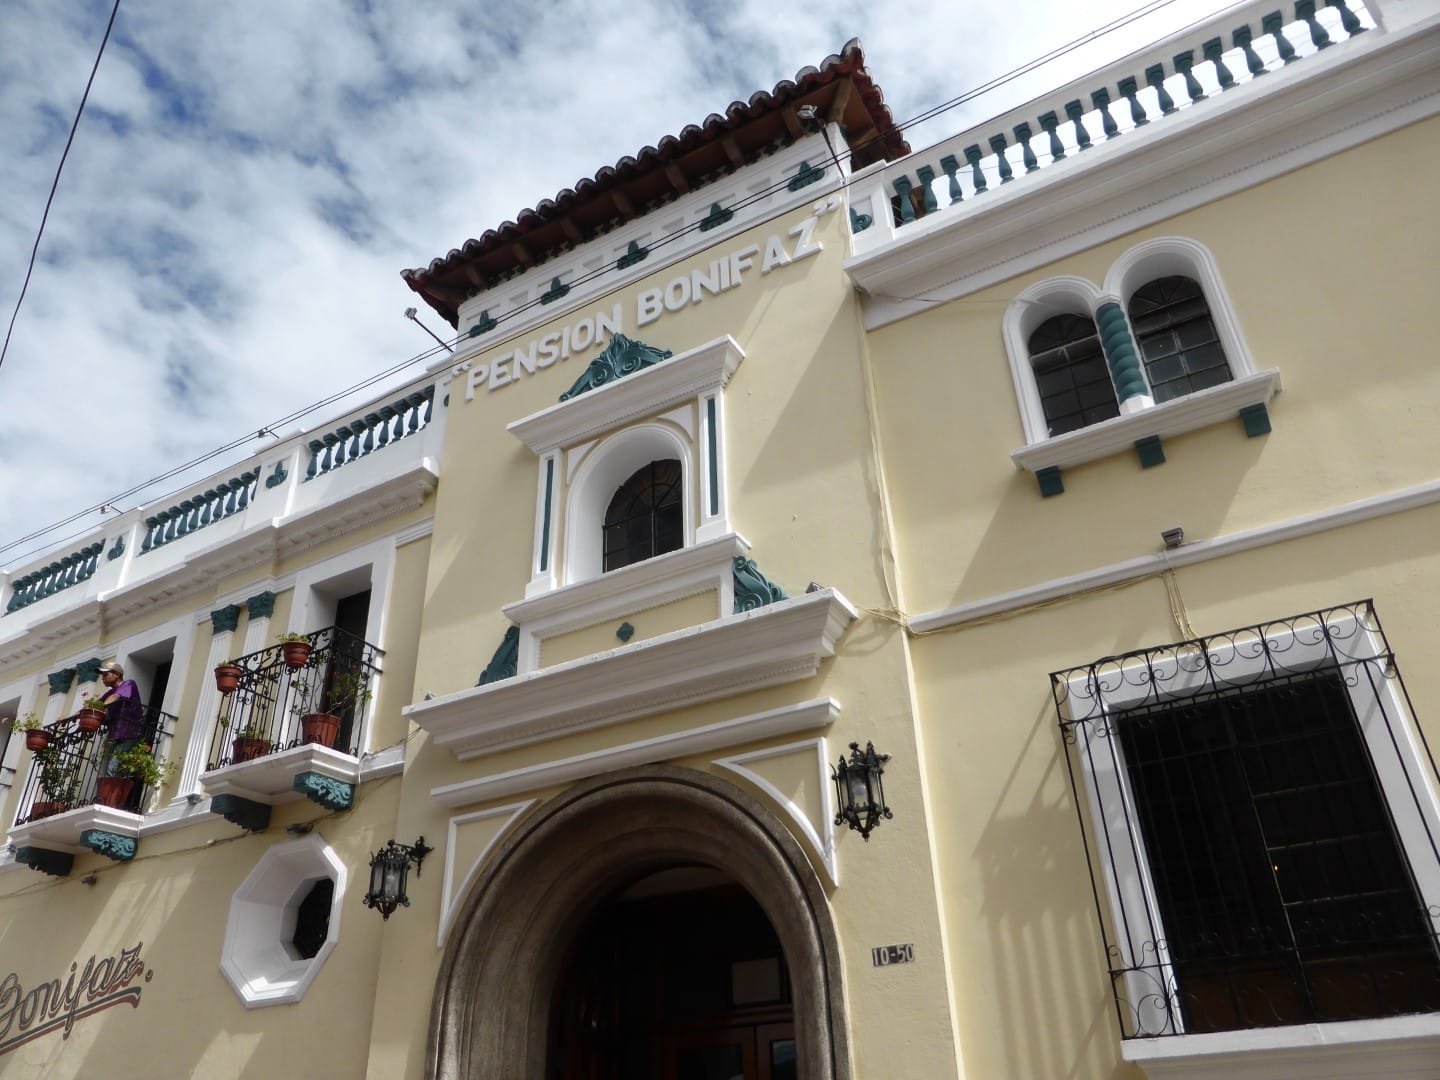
pixel 803 716
pixel 449 892
pixel 62 831
pixel 1203 408
pixel 782 642
pixel 822 839
pixel 270 779
pixel 419 531
pixel 1191 553
pixel 1041 301
pixel 387 761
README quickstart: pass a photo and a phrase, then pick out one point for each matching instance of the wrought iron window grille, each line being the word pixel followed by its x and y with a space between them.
pixel 1257 813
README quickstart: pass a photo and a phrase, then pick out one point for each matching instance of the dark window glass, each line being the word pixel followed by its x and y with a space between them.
pixel 1177 339
pixel 1071 374
pixel 312 919
pixel 1284 891
pixel 646 517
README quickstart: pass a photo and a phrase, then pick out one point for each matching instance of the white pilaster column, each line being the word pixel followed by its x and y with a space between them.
pixel 222 645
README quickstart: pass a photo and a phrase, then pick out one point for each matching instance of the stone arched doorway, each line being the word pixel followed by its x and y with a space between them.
pixel 515 931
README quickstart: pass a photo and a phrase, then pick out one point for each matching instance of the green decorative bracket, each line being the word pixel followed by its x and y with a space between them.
pixel 87 670
pixel 61 681
pixel 250 815
pixel 807 175
pixel 261 605
pixel 483 325
pixel 1050 481
pixel 54 863
pixel 276 478
pixel 117 549
pixel 1256 419
pixel 625 631
pixel 859 222
pixel 555 292
pixel 225 619
pixel 633 254
pixel 621 357
pixel 752 588
pixel 328 792
pixel 1150 451
pixel 716 217
pixel 111 845
pixel 506 661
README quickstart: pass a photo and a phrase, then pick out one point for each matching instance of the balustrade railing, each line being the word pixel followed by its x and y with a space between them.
pixel 225 499
pixel 278 703
pixel 57 576
pixel 65 775
pixel 1240 45
pixel 371 432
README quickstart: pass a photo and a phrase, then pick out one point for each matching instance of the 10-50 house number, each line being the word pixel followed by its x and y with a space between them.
pixel 885 955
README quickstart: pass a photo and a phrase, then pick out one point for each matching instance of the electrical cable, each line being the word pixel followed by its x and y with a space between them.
pixel 54 184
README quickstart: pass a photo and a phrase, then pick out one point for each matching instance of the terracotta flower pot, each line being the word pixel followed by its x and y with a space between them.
pixel 320 728
pixel 248 749
pixel 295 653
pixel 227 678
pixel 37 739
pixel 45 809
pixel 89 720
pixel 114 790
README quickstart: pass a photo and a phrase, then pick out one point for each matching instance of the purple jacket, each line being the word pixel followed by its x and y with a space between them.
pixel 124 715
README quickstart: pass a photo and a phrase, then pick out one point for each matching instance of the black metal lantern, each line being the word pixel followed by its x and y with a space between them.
pixel 859 791
pixel 389 868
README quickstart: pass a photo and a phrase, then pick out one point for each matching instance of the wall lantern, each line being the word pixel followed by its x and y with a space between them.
pixel 388 869
pixel 860 794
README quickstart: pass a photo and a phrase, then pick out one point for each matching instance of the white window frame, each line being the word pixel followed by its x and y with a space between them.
pixel 1128 884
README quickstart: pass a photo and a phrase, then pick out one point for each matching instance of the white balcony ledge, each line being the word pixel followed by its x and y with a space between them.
pixel 780 643
pixel 271 779
pixel 62 832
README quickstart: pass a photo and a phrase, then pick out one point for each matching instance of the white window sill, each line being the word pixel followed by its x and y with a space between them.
pixel 1197 410
pixel 1395 1048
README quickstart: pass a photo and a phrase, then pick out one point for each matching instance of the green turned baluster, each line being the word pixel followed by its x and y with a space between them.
pixel 1050 124
pixel 1101 100
pixel 1155 76
pixel 1184 64
pixel 952 168
pixel 1023 135
pixel 149 541
pixel 357 427
pixel 1305 9
pixel 1349 21
pixel 977 175
pixel 1253 63
pixel 372 421
pixel 1119 347
pixel 1274 25
pixel 192 522
pixel 1130 90
pixel 1214 51
pixel 314 467
pixel 1073 112
pixel 69 567
pixel 902 191
pixel 997 143
pixel 207 502
pixel 387 417
pixel 248 483
pixel 927 177
pixel 429 396
pixel 416 400
pixel 182 519
pixel 330 442
pixel 232 494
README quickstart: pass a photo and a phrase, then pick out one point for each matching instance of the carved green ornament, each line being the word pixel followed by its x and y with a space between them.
pixel 250 815
pixel 752 588
pixel 54 863
pixel 621 357
pixel 111 845
pixel 225 619
pixel 117 549
pixel 261 605
pixel 88 670
pixel 61 681
pixel 506 661
pixel 276 478
pixel 328 792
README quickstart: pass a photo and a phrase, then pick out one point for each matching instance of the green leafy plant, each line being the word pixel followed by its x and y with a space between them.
pixel 57 778
pixel 251 730
pixel 93 703
pixel 140 763
pixel 284 639
pixel 29 722
pixel 347 689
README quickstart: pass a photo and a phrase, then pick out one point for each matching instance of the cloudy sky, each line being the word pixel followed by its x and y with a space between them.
pixel 250 176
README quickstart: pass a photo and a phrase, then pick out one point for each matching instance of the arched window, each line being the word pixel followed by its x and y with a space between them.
pixel 1177 338
pixel 646 516
pixel 1070 373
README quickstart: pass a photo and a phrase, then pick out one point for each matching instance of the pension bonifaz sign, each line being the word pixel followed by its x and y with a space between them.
pixel 53 1006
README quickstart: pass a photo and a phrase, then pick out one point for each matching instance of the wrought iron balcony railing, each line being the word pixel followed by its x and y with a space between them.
pixel 65 774
pixel 280 701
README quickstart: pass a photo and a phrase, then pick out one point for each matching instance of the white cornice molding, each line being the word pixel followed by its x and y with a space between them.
pixel 1334 101
pixel 1189 554
pixel 779 643
pixel 680 378
pixel 1169 418
pixel 776 723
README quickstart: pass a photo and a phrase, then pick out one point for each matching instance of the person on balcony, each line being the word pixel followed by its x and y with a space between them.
pixel 124 715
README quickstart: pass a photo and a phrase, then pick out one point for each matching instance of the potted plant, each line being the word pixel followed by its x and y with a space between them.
pixel 134 765
pixel 348 689
pixel 91 715
pixel 227 676
pixel 57 783
pixel 295 648
pixel 249 742
pixel 37 736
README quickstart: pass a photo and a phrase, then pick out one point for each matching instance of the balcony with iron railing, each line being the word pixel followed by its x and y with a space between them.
pixel 291 721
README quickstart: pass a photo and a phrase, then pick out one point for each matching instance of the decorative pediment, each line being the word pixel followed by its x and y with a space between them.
pixel 623 356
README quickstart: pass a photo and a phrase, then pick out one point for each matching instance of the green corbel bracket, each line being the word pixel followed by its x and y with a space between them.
pixel 1256 419
pixel 250 815
pixel 111 845
pixel 327 791
pixel 1050 481
pixel 1150 451
pixel 54 863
